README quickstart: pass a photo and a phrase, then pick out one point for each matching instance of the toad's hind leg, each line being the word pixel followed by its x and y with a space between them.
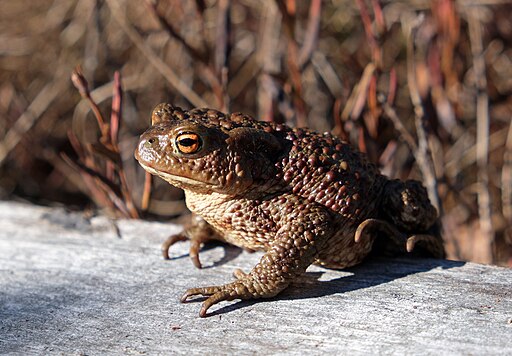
pixel 294 249
pixel 198 231
pixel 432 243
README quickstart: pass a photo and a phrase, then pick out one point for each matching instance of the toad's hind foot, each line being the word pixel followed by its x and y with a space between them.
pixel 198 232
pixel 431 243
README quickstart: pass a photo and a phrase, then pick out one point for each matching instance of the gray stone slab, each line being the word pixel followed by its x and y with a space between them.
pixel 71 285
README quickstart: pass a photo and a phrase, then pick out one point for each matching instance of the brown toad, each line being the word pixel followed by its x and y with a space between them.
pixel 300 196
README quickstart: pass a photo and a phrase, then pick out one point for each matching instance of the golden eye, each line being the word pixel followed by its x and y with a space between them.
pixel 188 142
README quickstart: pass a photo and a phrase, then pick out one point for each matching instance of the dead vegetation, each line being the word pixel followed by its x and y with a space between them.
pixel 423 86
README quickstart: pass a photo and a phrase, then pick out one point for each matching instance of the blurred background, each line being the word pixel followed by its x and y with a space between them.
pixel 424 87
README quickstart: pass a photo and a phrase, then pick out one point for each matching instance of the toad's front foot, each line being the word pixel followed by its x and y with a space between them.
pixel 247 287
pixel 198 232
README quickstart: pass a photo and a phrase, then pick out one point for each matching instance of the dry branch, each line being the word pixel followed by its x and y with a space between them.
pixel 482 132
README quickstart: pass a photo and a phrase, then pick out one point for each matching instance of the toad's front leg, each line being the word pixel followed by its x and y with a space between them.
pixel 295 247
pixel 198 232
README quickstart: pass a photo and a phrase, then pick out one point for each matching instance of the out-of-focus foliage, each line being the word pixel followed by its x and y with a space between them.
pixel 423 86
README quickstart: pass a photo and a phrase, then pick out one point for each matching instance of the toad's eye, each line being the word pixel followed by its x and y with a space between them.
pixel 188 142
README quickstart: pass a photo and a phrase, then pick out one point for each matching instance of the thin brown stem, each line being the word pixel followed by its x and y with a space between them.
pixel 222 50
pixel 311 36
pixel 506 178
pixel 482 131
pixel 146 194
pixel 79 81
pixel 422 153
pixel 400 127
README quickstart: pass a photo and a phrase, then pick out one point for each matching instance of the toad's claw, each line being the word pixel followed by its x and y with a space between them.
pixel 195 246
pixel 171 240
pixel 216 294
pixel 411 241
pixel 432 243
pixel 239 274
pixel 201 291
pixel 370 225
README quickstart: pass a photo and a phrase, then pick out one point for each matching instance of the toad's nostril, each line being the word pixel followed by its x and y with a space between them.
pixel 150 142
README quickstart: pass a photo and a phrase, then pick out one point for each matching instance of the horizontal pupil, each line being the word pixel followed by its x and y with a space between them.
pixel 187 142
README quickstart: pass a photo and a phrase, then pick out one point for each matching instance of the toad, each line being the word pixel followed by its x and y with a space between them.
pixel 302 197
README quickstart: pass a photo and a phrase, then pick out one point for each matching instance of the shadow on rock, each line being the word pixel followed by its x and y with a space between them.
pixel 366 275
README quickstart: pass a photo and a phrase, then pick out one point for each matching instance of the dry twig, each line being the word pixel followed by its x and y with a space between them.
pixel 482 132
pixel 422 153
pixel 506 178
pixel 109 186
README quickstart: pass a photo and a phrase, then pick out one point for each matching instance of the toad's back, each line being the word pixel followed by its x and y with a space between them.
pixel 328 171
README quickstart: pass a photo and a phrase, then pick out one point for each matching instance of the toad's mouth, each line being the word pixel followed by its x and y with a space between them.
pixel 175 179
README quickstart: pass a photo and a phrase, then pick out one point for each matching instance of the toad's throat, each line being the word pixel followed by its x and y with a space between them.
pixel 175 179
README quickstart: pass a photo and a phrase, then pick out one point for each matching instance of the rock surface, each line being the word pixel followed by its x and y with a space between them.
pixel 73 285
